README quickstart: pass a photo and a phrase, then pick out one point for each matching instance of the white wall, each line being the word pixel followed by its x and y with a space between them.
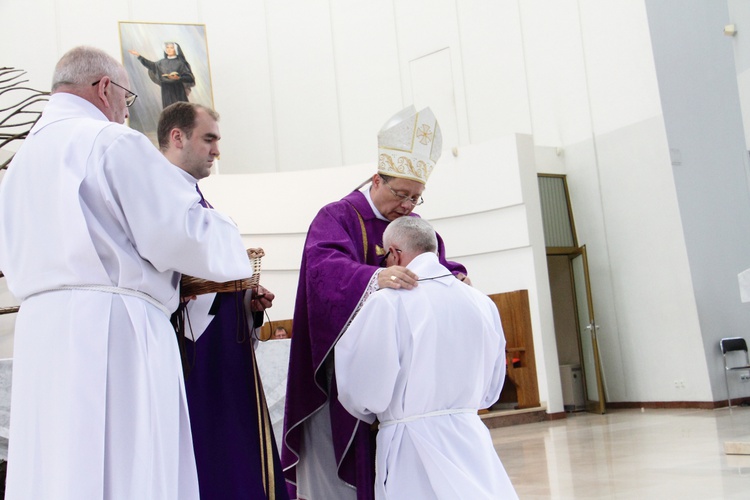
pixel 308 91
pixel 303 88
pixel 701 107
pixel 603 107
pixel 306 85
pixel 739 13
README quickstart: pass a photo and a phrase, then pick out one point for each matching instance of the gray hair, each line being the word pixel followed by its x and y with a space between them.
pixel 85 65
pixel 412 234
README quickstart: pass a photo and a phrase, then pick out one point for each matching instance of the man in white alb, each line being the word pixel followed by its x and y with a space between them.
pixel 439 355
pixel 95 228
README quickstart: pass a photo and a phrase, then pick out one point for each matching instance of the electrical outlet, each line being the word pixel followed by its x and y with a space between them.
pixel 679 384
pixel 745 376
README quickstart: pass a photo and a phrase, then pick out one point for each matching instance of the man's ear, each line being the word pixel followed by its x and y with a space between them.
pixel 396 256
pixel 101 91
pixel 177 137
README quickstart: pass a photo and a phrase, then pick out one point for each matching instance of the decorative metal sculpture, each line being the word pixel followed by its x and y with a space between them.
pixel 17 119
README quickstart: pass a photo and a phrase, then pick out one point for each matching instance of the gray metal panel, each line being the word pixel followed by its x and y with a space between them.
pixel 558 231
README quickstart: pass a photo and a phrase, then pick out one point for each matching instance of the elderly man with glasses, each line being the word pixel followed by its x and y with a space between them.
pixel 95 228
pixel 327 453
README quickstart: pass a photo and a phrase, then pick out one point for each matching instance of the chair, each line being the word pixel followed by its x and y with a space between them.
pixel 729 345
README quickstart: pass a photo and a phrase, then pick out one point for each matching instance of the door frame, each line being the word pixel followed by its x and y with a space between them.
pixel 572 253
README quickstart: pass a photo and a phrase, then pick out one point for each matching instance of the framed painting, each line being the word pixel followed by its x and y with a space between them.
pixel 166 63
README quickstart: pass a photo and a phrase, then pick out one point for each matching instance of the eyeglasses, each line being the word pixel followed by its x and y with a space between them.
pixel 129 97
pixel 413 201
pixel 385 257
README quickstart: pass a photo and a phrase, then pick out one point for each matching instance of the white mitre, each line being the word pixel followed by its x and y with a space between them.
pixel 409 145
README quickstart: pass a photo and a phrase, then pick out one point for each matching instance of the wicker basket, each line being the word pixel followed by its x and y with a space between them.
pixel 190 286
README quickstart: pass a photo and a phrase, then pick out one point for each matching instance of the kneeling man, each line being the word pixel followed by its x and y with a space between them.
pixel 423 362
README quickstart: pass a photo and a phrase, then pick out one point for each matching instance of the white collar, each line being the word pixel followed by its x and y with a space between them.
pixel 428 267
pixel 377 213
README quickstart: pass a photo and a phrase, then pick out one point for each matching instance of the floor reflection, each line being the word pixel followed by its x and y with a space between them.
pixel 629 454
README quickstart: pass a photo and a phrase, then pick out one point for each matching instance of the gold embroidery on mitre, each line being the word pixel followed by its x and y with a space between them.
pixel 396 168
pixel 379 250
pixel 415 171
pixel 385 163
pixel 426 168
pixel 405 164
pixel 424 135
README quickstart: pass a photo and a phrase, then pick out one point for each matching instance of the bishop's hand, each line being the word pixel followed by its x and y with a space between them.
pixel 397 277
pixel 464 278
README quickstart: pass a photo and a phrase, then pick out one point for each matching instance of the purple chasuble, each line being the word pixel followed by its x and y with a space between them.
pixel 334 275
pixel 223 403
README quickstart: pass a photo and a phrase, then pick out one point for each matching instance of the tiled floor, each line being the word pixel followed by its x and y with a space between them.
pixel 629 454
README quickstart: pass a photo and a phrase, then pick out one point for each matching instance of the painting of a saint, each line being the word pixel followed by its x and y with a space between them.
pixel 166 63
pixel 172 73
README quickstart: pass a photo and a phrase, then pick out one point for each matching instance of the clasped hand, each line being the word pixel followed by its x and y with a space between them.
pixel 261 298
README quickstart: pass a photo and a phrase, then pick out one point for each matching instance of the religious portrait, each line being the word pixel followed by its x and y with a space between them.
pixel 166 63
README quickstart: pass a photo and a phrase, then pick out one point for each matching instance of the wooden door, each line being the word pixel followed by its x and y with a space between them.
pixel 519 349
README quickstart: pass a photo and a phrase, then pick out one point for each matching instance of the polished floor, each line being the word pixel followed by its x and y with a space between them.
pixel 629 454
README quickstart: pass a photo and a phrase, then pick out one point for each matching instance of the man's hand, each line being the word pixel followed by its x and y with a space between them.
pixel 261 298
pixel 464 278
pixel 397 277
